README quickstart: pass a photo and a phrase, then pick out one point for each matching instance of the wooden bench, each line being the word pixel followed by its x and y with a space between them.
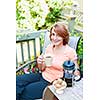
pixel 31 50
pixel 42 36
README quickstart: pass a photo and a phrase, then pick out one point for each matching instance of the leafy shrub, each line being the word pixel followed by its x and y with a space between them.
pixel 80 53
pixel 38 14
pixel 79 48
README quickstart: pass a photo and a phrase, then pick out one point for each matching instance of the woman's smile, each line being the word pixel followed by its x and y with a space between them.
pixel 56 41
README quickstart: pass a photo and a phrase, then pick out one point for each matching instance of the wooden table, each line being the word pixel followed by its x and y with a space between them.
pixel 70 93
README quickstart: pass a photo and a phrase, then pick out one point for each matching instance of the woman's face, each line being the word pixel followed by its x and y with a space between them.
pixel 56 39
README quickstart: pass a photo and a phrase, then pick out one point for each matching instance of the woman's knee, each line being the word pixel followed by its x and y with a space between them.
pixel 27 78
pixel 34 91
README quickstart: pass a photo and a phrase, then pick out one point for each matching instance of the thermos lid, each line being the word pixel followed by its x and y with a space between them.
pixel 68 65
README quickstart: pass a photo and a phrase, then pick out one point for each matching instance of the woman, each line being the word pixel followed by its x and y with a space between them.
pixel 31 86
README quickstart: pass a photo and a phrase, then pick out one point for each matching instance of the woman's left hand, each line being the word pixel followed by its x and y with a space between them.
pixel 77 75
pixel 77 72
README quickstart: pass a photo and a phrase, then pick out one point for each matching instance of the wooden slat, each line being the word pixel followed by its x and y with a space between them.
pixel 22 53
pixel 41 49
pixel 26 38
pixel 16 59
pixel 34 47
pixel 28 47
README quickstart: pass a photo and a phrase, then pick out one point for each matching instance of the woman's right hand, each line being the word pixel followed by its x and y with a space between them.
pixel 40 59
pixel 41 64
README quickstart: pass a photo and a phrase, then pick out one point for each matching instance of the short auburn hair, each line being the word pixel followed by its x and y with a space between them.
pixel 62 30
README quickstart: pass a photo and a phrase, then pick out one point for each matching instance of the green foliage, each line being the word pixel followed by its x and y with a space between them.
pixel 70 2
pixel 30 14
pixel 80 52
pixel 55 9
pixel 79 48
pixel 80 44
pixel 52 16
pixel 39 14
pixel 33 14
pixel 21 72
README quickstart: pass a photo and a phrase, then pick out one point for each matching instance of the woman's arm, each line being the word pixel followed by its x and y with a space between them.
pixel 73 57
pixel 76 72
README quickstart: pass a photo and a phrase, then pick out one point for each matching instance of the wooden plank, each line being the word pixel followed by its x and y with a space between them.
pixel 16 59
pixel 34 47
pixel 28 47
pixel 22 52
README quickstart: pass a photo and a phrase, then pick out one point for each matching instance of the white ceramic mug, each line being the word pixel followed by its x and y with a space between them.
pixel 48 61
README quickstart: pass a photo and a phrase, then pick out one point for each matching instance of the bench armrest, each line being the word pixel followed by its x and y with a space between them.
pixel 25 65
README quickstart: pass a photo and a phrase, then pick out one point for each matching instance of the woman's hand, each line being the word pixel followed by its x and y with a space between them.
pixel 40 59
pixel 77 75
pixel 40 62
pixel 77 72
